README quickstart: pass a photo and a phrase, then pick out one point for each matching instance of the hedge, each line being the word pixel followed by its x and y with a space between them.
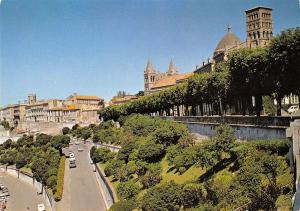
pixel 60 179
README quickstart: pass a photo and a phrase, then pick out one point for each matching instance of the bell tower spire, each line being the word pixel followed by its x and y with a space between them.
pixel 172 69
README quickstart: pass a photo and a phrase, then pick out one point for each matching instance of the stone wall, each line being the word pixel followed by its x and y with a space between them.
pixel 245 128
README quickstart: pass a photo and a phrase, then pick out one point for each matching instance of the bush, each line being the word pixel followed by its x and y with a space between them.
pixel 192 195
pixel 42 139
pixel 127 190
pixel 169 132
pixel 102 154
pixel 7 144
pixel 140 125
pixel 126 150
pixel 65 130
pixel 162 197
pixel 51 182
pixel 186 158
pixel 86 133
pixel 152 176
pixel 60 180
pixel 172 152
pixel 124 205
pixel 150 152
pixel 112 166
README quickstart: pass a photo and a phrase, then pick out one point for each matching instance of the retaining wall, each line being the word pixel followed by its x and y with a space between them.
pixel 245 128
pixel 109 195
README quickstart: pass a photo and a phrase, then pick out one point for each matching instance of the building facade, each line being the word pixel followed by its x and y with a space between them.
pixel 155 81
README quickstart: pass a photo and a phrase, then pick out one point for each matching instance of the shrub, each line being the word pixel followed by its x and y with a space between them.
pixel 42 139
pixel 192 195
pixel 7 144
pixel 162 197
pixel 60 180
pixel 186 158
pixel 172 152
pixel 169 132
pixel 223 138
pixel 51 182
pixel 112 166
pixel 139 125
pixel 127 190
pixel 124 205
pixel 152 176
pixel 151 152
pixel 86 133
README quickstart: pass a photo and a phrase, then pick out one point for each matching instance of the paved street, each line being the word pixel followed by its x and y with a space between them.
pixel 81 189
pixel 23 196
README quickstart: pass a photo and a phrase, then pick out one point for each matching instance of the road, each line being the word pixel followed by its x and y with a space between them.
pixel 23 196
pixel 81 188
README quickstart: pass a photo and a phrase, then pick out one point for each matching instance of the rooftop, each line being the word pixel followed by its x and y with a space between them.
pixel 170 80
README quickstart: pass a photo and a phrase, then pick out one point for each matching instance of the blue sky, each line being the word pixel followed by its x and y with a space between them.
pixel 96 47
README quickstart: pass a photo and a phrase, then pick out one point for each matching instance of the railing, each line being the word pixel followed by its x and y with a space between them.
pixel 30 179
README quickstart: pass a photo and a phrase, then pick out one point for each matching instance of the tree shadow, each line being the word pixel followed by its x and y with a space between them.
pixel 171 169
pixel 221 165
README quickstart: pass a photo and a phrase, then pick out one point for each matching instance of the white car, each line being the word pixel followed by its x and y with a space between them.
pixel 41 207
pixel 80 149
pixel 77 142
pixel 292 109
pixel 71 155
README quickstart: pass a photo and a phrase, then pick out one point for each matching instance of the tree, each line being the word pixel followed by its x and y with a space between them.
pixel 223 138
pixel 127 190
pixel 192 195
pixel 86 133
pixel 152 176
pixel 7 144
pixel 284 62
pixel 65 130
pixel 168 133
pixel 162 197
pixel 59 142
pixel 42 139
pixel 112 167
pixel 124 205
pixel 150 152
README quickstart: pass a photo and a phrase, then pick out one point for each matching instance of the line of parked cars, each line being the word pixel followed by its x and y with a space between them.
pixel 4 193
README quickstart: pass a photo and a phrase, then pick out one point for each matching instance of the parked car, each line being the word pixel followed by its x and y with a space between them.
pixel 292 109
pixel 72 163
pixel 41 207
pixel 71 155
pixel 80 149
pixel 77 142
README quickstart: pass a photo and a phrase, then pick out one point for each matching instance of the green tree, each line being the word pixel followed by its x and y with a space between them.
pixel 65 130
pixel 150 152
pixel 162 197
pixel 127 190
pixel 192 195
pixel 152 176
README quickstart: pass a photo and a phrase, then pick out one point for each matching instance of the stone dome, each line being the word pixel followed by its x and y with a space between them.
pixel 228 41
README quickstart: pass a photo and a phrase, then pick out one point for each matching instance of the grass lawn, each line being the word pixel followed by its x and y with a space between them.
pixel 192 174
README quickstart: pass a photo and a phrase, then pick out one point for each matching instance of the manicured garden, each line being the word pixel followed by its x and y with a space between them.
pixel 159 167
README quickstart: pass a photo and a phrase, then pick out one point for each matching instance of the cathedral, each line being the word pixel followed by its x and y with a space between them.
pixel 259 30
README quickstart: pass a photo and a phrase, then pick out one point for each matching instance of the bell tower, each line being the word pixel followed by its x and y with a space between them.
pixel 149 77
pixel 259 25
